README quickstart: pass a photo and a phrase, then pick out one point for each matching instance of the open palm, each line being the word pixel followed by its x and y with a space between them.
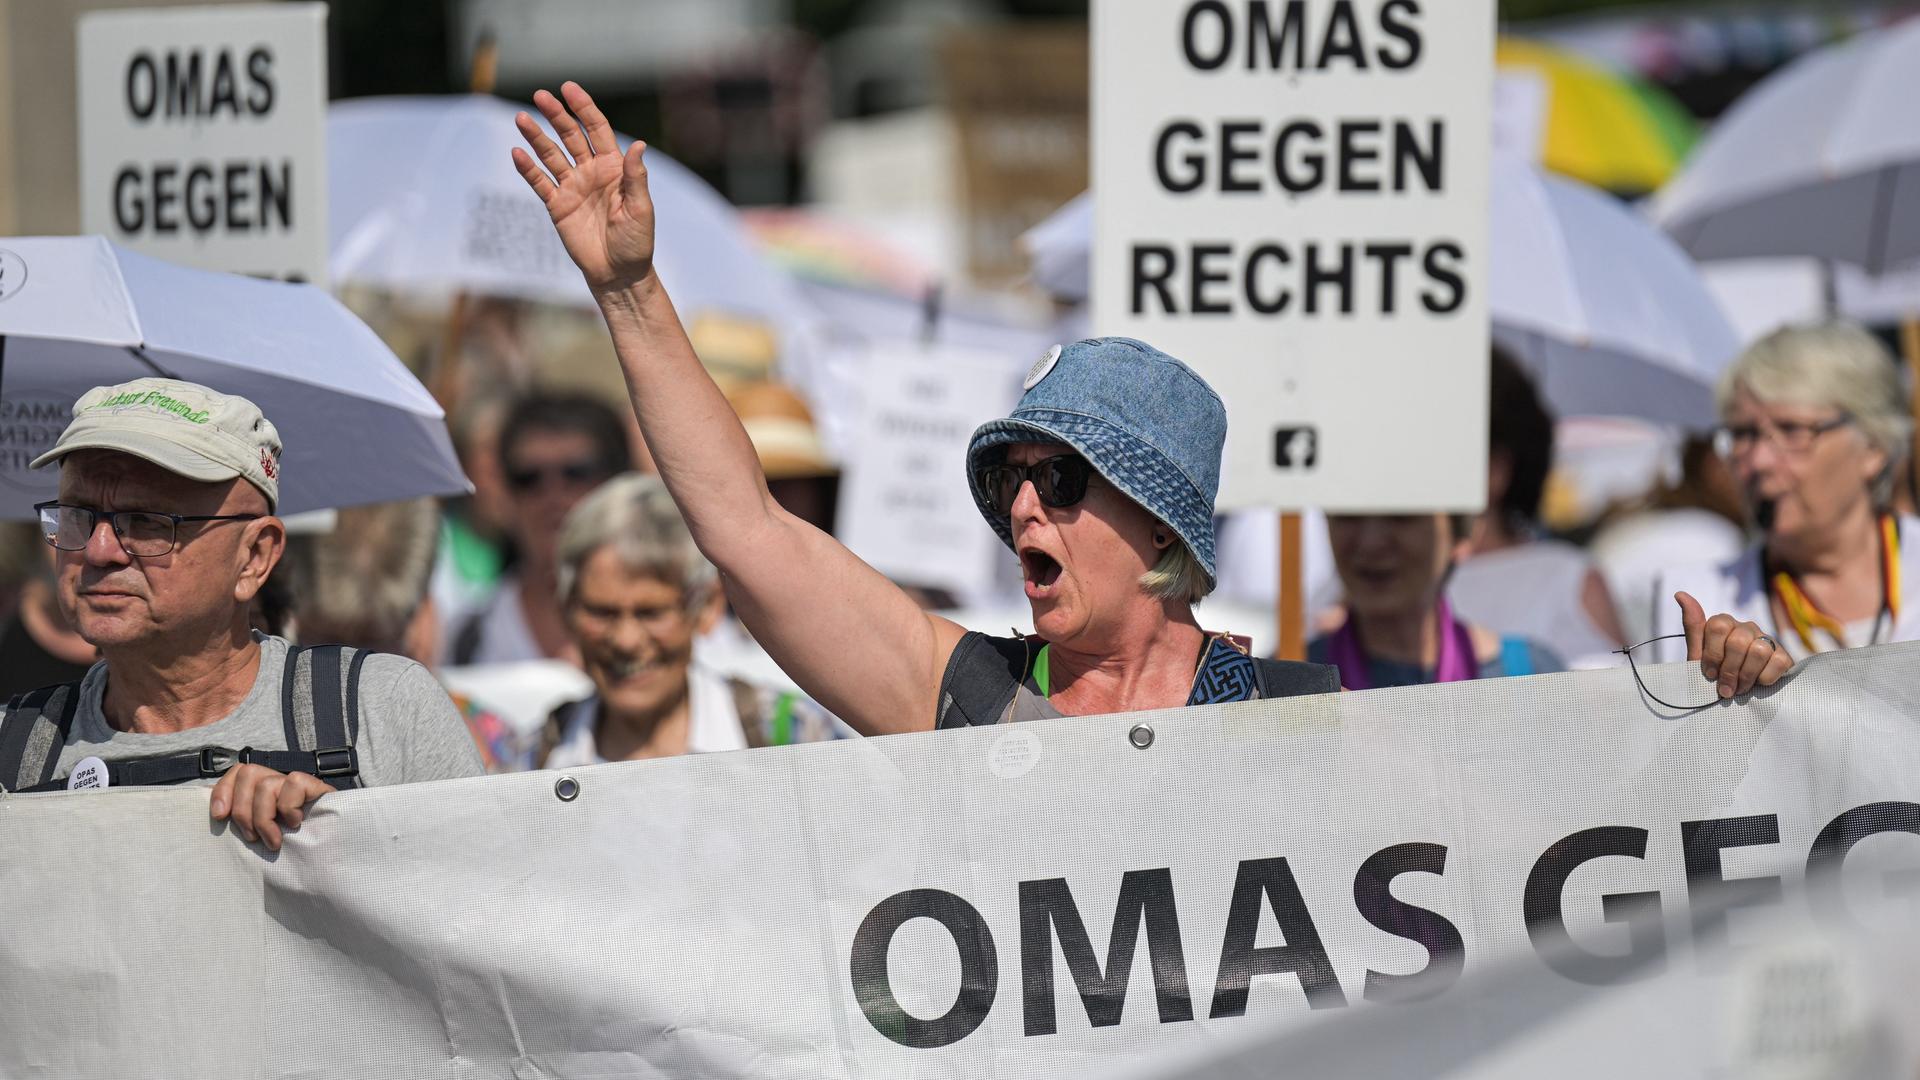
pixel 596 196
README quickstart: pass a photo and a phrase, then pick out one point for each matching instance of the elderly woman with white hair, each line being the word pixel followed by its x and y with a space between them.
pixel 1814 426
pixel 636 595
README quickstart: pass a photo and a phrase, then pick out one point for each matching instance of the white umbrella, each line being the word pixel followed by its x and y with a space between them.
pixel 423 197
pixel 1822 159
pixel 1611 317
pixel 78 312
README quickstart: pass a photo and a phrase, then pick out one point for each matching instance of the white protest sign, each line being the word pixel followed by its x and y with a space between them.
pixel 905 506
pixel 1050 899
pixel 203 136
pixel 1291 196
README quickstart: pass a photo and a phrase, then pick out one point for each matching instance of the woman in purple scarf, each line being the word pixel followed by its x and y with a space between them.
pixel 1400 630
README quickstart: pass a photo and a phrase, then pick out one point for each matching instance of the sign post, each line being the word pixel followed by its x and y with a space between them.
pixel 203 136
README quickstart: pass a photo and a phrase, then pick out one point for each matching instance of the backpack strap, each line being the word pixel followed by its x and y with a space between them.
pixel 981 679
pixel 32 733
pixel 1292 678
pixel 554 731
pixel 319 714
pixel 320 708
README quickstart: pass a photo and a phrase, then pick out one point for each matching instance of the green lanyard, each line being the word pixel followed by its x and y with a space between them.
pixel 1042 676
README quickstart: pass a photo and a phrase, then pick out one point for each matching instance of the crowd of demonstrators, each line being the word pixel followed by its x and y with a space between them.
pixel 553 450
pixel 1102 481
pixel 1400 628
pixel 1815 427
pixel 164 534
pixel 366 585
pixel 1512 579
pixel 638 596
pixel 156 628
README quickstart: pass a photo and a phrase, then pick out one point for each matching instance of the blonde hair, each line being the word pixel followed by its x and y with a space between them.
pixel 1837 365
pixel 633 514
pixel 1177 576
pixel 362 583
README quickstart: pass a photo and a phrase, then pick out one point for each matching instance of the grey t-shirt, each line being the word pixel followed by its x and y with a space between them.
pixel 409 728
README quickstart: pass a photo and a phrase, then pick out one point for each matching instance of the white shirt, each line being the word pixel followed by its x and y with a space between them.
pixel 1535 590
pixel 1740 589
pixel 713 723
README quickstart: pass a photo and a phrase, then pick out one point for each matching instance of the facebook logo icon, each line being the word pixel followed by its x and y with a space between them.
pixel 1296 447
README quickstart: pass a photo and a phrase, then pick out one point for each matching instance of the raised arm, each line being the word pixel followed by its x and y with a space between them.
pixel 851 638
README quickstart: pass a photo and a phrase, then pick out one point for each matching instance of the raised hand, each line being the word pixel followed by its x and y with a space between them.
pixel 596 196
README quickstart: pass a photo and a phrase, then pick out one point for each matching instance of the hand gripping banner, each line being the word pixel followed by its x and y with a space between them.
pixel 1071 897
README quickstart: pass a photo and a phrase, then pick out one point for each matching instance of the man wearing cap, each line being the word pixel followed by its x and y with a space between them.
pixel 164 529
pixel 1101 481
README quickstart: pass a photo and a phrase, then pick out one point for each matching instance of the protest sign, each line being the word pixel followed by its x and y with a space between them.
pixel 905 508
pixel 203 136
pixel 1291 196
pixel 1048 899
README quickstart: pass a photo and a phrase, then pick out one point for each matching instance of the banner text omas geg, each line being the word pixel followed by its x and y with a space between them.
pixel 1266 896
pixel 1290 195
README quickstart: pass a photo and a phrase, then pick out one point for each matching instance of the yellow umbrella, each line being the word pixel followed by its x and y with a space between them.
pixel 1610 130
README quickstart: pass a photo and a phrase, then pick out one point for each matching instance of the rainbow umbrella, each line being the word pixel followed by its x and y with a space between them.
pixel 817 247
pixel 1601 127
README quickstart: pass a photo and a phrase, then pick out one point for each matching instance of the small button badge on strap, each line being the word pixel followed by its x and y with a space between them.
pixel 89 775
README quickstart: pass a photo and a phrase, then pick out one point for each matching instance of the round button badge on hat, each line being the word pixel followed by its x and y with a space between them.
pixel 1040 369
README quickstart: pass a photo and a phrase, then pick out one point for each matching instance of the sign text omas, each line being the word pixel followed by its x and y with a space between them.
pixel 1357 156
pixel 202 136
pixel 1266 894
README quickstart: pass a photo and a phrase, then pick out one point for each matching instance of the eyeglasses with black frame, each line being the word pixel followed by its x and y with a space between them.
pixel 144 534
pixel 1060 481
pixel 1792 436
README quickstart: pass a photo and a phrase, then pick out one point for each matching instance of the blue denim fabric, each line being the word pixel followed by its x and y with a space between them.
pixel 1146 422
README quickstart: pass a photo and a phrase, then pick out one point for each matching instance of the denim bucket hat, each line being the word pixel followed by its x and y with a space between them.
pixel 1148 425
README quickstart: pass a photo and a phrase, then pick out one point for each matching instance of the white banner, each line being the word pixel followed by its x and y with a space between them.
pixel 1051 899
pixel 1292 198
pixel 203 135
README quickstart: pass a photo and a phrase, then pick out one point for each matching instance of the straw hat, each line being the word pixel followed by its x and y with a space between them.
pixel 782 431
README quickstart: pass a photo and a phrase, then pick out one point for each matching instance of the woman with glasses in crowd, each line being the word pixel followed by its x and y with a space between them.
pixel 1102 482
pixel 637 596
pixel 1814 427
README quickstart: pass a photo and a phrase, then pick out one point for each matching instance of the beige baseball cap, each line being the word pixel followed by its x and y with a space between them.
pixel 182 427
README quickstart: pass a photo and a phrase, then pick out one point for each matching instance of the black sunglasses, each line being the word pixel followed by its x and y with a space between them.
pixel 1060 481
pixel 572 473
